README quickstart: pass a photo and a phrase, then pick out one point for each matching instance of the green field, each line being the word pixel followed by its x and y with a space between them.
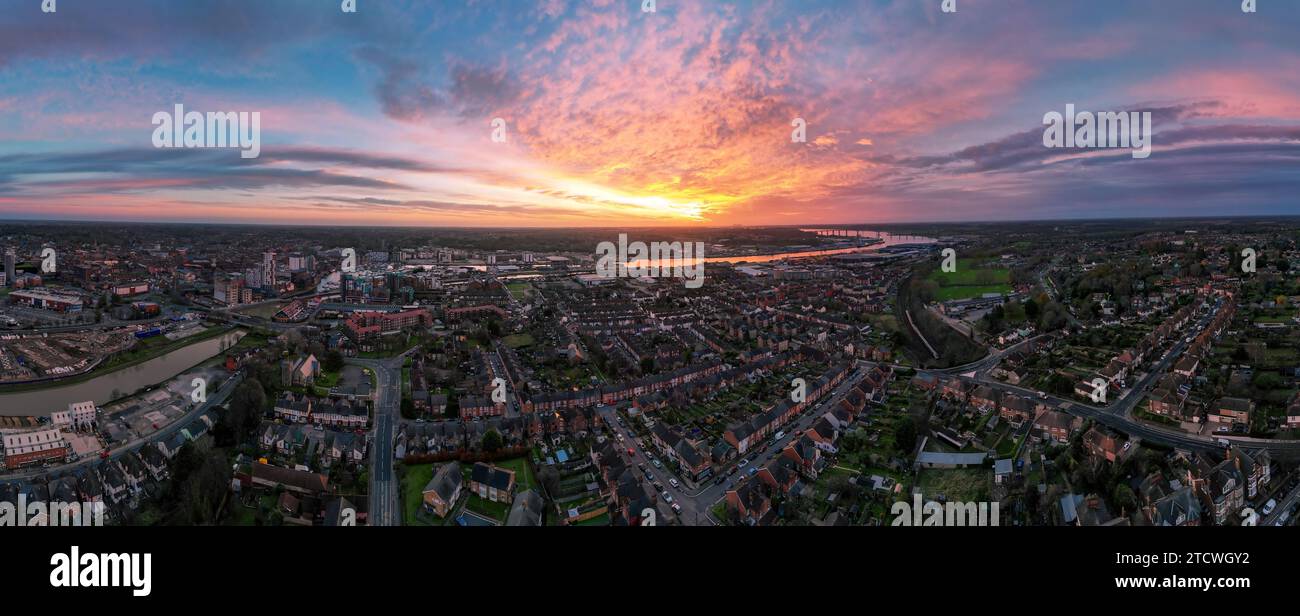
pixel 516 341
pixel 970 281
pixel 960 484
pixel 518 289
pixel 413 481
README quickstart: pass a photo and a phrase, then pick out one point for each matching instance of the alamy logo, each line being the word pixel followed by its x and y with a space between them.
pixel 656 260
pixel 1104 129
pixel 49 260
pixel 200 392
pixel 499 390
pixel 216 129
pixel 931 513
pixel 92 570
pixel 57 513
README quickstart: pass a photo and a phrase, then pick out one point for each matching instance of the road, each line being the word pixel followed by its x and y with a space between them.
pixel 696 502
pixel 218 397
pixel 1119 413
pixel 385 507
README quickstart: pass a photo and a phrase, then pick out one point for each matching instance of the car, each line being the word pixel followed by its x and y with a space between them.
pixel 649 476
pixel 732 470
pixel 1268 507
pixel 659 487
pixel 743 462
pixel 1281 520
pixel 753 470
pixel 672 482
pixel 656 463
pixel 677 508
pixel 631 452
pixel 719 479
pixel 668 498
pixel 780 435
pixel 620 437
pixel 641 465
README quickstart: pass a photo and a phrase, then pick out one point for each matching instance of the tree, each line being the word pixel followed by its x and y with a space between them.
pixel 1124 498
pixel 905 436
pixel 492 441
pixel 246 407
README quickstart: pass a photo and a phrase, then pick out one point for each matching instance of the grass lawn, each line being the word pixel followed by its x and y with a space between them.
pixel 414 478
pixel 264 311
pixel 970 281
pixel 524 478
pixel 600 520
pixel 960 484
pixel 518 289
pixel 492 509
pixel 516 341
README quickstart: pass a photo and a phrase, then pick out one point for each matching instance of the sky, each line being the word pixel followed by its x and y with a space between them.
pixel 615 116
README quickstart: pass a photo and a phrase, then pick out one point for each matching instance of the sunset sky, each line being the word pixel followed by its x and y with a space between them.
pixel 619 117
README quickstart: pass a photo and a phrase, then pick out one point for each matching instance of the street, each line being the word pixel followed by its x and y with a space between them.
pixel 385 507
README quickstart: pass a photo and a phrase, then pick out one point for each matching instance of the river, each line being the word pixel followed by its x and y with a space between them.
pixel 124 381
pixel 881 241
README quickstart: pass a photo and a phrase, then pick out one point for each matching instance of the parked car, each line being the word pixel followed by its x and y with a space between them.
pixel 672 482
pixel 1268 507
pixel 677 508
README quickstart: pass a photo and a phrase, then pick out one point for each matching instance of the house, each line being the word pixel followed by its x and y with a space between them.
pixel 1016 410
pixel 748 505
pixel 1228 413
pixel 1293 412
pixel 1256 469
pixel 1102 444
pixel 1055 425
pixel 984 398
pixel 443 490
pixel 1178 508
pixel 302 371
pixel 300 482
pixel 1221 486
pixel 492 483
pixel 526 510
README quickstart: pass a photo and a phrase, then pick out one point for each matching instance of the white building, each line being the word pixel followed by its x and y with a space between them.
pixel 28 446
pixel 83 413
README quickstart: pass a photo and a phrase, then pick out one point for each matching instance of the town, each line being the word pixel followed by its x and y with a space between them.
pixel 1094 373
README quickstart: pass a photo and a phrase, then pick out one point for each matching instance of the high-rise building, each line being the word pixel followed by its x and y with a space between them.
pixel 268 269
pixel 11 260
